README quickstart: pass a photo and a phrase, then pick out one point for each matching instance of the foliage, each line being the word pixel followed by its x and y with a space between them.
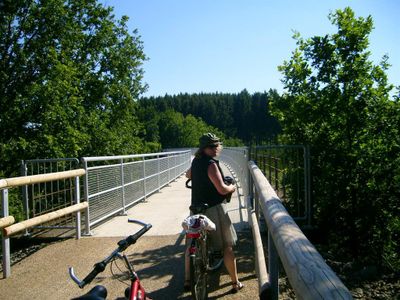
pixel 173 130
pixel 69 77
pixel 242 116
pixel 339 102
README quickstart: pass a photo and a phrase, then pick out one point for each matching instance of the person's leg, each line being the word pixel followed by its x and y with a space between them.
pixel 230 263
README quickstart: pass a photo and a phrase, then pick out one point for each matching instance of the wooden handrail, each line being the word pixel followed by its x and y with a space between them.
pixel 25 180
pixel 308 274
pixel 6 221
pixel 10 230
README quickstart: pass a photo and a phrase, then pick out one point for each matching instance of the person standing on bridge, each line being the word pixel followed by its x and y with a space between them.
pixel 208 187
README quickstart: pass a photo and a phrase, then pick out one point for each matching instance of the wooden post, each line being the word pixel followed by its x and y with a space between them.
pixel 273 268
pixel 261 268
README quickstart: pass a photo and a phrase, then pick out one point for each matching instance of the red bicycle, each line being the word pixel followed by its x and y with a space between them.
pixel 99 292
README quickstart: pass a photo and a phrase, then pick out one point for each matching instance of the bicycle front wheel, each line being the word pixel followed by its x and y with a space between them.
pixel 198 276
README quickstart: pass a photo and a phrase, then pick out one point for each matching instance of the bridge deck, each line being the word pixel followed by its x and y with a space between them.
pixel 158 256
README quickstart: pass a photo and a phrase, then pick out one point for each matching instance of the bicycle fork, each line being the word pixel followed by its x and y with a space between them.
pixel 135 291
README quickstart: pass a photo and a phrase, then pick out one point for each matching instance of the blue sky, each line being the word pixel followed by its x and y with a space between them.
pixel 229 45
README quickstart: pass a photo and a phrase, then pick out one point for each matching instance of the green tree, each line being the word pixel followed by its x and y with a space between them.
pixel 177 131
pixel 69 77
pixel 339 102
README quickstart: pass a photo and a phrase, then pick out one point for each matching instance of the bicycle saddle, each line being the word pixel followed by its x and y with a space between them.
pixel 199 208
pixel 99 292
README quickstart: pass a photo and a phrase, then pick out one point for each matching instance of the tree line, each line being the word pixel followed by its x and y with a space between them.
pixel 242 116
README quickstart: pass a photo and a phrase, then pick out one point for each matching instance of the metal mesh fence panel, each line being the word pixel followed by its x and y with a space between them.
pixel 236 159
pixel 103 204
pixel 103 179
pixel 287 169
pixel 114 183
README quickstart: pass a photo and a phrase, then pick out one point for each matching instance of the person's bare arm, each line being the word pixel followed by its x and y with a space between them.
pixel 216 179
pixel 189 173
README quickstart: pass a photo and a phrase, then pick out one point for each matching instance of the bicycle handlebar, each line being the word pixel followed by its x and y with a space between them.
pixel 187 183
pixel 122 246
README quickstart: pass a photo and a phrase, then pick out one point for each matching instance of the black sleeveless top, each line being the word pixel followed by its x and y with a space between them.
pixel 203 190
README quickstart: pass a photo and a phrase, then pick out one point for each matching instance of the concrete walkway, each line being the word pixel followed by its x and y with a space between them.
pixel 166 210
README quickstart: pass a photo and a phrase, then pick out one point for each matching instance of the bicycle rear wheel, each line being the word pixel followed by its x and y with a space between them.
pixel 198 274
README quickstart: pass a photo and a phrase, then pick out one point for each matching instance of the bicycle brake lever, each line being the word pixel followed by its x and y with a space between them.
pixel 79 282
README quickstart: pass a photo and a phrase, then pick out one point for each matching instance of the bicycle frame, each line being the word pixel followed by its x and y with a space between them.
pixel 136 290
pixel 198 255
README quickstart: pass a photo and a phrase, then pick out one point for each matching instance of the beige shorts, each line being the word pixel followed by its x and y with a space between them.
pixel 225 234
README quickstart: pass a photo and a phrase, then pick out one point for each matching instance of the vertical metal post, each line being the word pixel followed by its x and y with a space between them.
pixel 5 239
pixel 250 187
pixel 144 179
pixel 270 168
pixel 273 268
pixel 25 195
pixel 169 170
pixel 123 186
pixel 86 189
pixel 175 167
pixel 307 184
pixel 78 213
pixel 158 173
pixel 276 174
pixel 263 164
pixel 257 207
pixel 25 189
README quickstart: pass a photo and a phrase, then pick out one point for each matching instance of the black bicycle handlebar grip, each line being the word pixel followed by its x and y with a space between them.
pixel 98 268
pixel 187 183
pixel 130 240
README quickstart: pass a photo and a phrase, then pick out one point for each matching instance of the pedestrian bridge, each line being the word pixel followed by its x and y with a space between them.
pixel 151 188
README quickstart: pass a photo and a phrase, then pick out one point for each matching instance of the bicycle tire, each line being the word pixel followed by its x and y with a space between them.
pixel 198 274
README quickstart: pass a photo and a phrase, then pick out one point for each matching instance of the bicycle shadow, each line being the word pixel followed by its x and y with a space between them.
pixel 161 270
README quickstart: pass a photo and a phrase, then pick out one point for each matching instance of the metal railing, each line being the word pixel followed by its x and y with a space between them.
pixel 287 168
pixel 44 197
pixel 9 229
pixel 308 274
pixel 114 183
pixel 236 158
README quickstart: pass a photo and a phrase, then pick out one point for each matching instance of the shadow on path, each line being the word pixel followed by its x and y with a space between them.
pixel 162 270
